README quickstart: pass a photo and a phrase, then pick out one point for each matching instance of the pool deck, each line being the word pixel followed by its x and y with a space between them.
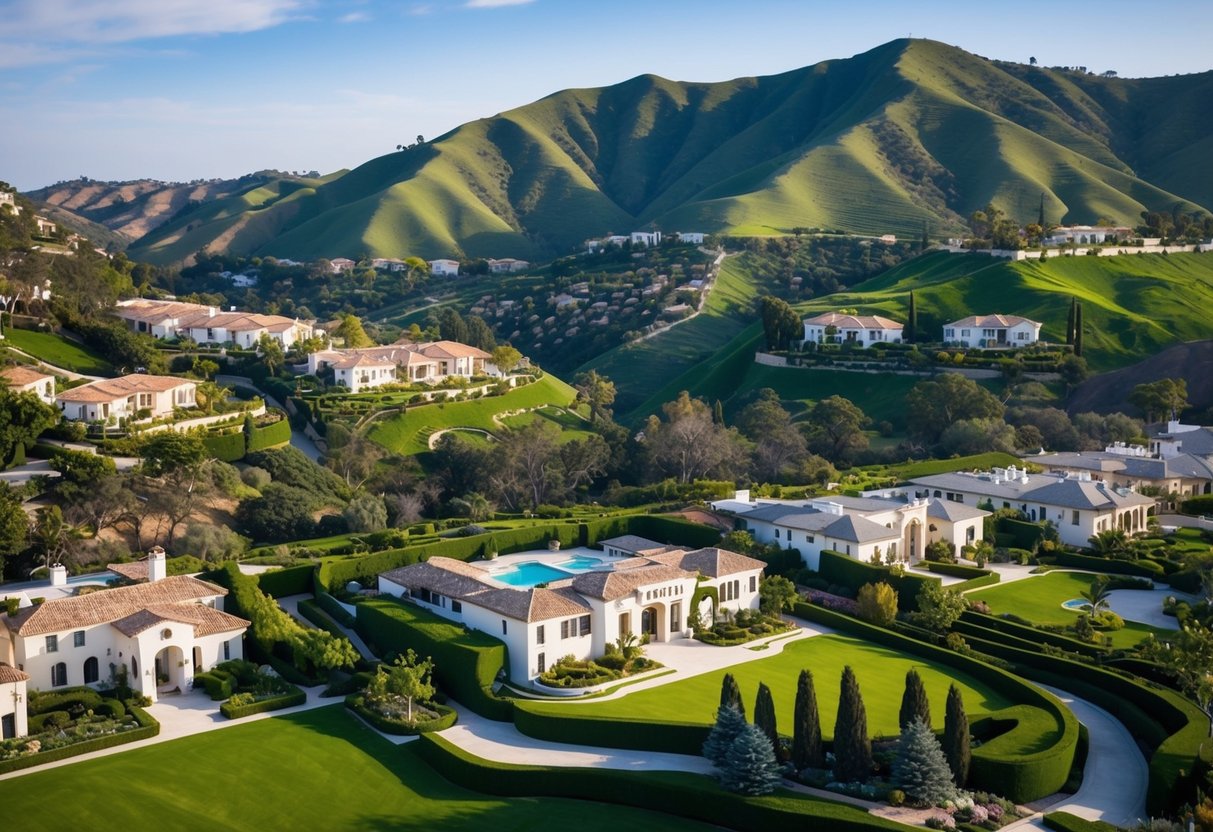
pixel 544 557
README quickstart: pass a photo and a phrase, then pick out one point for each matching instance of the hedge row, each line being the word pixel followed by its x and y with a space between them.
pixel 335 609
pixel 293 580
pixel 276 703
pixel 956 570
pixel 976 583
pixel 217 683
pixel 1092 563
pixel 840 569
pixel 1173 728
pixel 466 663
pixel 447 717
pixel 1202 504
pixel 682 795
pixel 1021 777
pixel 610 733
pixel 312 612
pixel 227 447
pixel 277 433
pixel 1033 634
pixel 148 727
pixel 230 447
pixel 1065 822
pixel 1023 535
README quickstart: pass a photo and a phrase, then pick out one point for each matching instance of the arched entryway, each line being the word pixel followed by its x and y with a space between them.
pixel 170 670
pixel 653 623
pixel 913 541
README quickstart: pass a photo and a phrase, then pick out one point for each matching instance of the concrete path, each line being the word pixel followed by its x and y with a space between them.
pixel 184 715
pixel 1145 605
pixel 1114 782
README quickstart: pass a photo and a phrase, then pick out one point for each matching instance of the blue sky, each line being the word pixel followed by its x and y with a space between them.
pixel 186 89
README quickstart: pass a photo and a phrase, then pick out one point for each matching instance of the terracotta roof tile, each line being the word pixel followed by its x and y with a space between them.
pixel 713 562
pixel 205 620
pixel 109 389
pixel 610 586
pixel 10 675
pixel 19 375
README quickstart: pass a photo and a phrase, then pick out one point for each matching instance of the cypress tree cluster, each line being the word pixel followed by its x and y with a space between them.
pixel 764 716
pixel 852 747
pixel 956 737
pixel 914 702
pixel 807 751
pixel 730 695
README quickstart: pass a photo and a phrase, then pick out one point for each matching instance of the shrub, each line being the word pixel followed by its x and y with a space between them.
pixel 877 603
pixel 921 769
pixel 255 477
pixel 111 708
pixel 243 704
pixel 749 764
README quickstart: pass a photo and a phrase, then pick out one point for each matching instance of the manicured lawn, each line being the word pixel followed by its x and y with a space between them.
pixel 318 770
pixel 570 424
pixel 881 673
pixel 59 351
pixel 409 432
pixel 1039 599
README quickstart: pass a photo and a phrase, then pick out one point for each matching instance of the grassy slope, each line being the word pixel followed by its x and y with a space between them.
pixel 911 132
pixel 1039 600
pixel 881 673
pixel 56 350
pixel 409 432
pixel 316 770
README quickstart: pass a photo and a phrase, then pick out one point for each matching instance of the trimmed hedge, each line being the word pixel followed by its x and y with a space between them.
pixel 447 717
pixel 986 622
pixel 611 733
pixel 62 700
pixel 843 570
pixel 294 580
pixel 976 578
pixel 466 663
pixel 218 684
pixel 312 612
pixel 691 796
pixel 276 703
pixel 1138 568
pixel 1172 727
pixel 334 608
pixel 148 727
pixel 1202 504
pixel 278 433
pixel 1021 533
pixel 228 447
pixel 1019 777
pixel 1065 822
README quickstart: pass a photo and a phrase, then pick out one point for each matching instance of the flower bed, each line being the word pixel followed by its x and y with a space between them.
pixel 59 734
pixel 743 627
pixel 390 714
pixel 569 672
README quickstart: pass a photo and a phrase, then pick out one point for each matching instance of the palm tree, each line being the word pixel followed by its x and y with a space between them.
pixel 53 535
pixel 1110 542
pixel 1097 595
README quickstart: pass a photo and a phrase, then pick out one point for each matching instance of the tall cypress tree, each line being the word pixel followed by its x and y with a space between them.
pixel 1040 220
pixel 956 737
pixel 718 413
pixel 730 695
pixel 912 323
pixel 1078 329
pixel 852 748
pixel 806 732
pixel 1070 321
pixel 914 702
pixel 764 716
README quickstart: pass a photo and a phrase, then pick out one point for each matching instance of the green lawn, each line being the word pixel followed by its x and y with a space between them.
pixel 881 673
pixel 316 770
pixel 409 432
pixel 1039 599
pixel 56 350
pixel 571 425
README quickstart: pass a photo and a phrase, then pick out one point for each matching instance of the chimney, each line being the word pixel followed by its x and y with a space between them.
pixel 210 311
pixel 58 575
pixel 157 567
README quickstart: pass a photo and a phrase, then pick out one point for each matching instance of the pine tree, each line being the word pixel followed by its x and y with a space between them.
pixel 914 702
pixel 1040 220
pixel 926 238
pixel 956 737
pixel 1070 321
pixel 764 716
pixel 852 748
pixel 729 725
pixel 1078 329
pixel 750 766
pixel 718 413
pixel 921 770
pixel 912 322
pixel 806 732
pixel 730 695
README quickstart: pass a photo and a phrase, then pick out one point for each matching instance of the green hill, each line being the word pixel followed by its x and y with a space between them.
pixel 911 133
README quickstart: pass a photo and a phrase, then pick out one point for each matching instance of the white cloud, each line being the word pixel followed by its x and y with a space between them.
pixel 493 4
pixel 354 17
pixel 120 21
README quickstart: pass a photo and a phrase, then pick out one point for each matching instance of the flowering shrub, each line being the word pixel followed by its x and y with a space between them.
pixel 837 603
pixel 941 822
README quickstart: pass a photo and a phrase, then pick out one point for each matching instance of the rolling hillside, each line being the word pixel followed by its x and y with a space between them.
pixel 907 135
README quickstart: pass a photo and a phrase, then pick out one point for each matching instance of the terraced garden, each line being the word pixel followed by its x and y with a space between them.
pixel 58 351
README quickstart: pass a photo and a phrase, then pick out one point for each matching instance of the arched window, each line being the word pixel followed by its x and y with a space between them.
pixel 58 675
pixel 92 672
pixel 134 667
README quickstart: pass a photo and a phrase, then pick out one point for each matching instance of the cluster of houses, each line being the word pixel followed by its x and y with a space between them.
pixel 208 324
pixel 975 331
pixel 438 268
pixel 129 397
pixel 366 368
pixel 648 239
pixel 582 600
pixel 161 629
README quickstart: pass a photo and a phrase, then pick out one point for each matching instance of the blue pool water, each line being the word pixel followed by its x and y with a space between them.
pixel 530 573
pixel 1077 604
pixel 581 563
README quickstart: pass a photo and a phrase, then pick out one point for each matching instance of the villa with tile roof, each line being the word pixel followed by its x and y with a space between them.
pixel 992 331
pixel 1077 506
pixel 14 721
pixel 125 397
pixel 24 379
pixel 579 612
pixel 163 631
pixel 365 368
pixel 208 324
pixel 862 330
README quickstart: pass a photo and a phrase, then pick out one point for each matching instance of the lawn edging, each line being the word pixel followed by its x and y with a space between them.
pixel 693 796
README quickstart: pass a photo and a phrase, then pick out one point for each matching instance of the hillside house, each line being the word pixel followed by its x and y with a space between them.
pixel 578 611
pixel 1129 466
pixel 1087 234
pixel 126 397
pixel 369 367
pixel 163 630
pixel 1077 506
pixel 341 264
pixel 649 239
pixel 8 201
pixel 24 379
pixel 388 264
pixel 695 237
pixel 45 227
pixel 362 372
pixel 992 332
pixel 210 325
pixel 444 268
pixel 1175 438
pixel 508 265
pixel 861 330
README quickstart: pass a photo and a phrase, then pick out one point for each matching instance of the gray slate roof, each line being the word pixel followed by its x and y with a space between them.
pixel 952 511
pixel 858 530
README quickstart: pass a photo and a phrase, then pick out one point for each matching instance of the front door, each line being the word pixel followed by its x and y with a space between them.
pixel 676 617
pixel 8 726
pixel 648 621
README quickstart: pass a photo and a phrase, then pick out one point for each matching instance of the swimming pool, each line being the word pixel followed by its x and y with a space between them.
pixel 529 573
pixel 580 563
pixel 1077 604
